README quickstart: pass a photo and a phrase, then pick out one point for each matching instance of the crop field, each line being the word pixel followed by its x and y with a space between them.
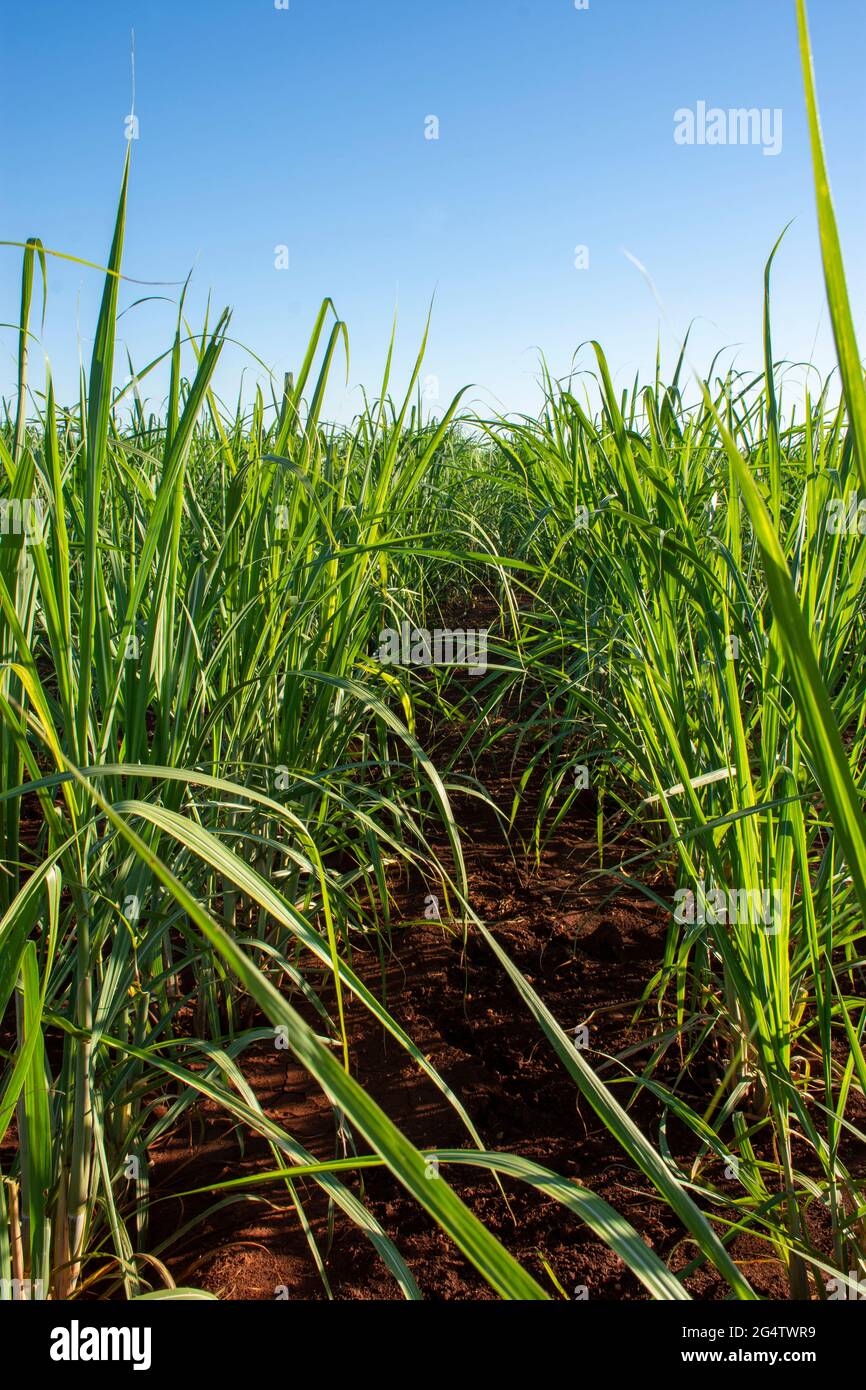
pixel 432 849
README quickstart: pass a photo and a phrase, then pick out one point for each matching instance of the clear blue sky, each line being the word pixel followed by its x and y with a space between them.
pixel 261 127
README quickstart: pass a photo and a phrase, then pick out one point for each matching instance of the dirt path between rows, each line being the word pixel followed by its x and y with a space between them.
pixel 590 961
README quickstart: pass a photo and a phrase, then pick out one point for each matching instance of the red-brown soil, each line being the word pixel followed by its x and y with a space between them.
pixel 589 960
